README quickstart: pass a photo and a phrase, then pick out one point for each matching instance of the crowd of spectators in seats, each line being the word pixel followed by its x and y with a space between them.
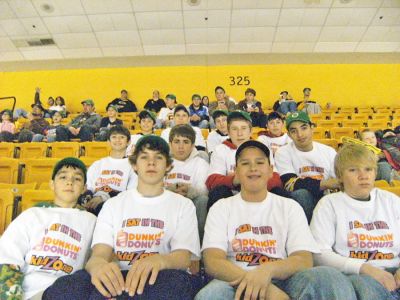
pixel 246 196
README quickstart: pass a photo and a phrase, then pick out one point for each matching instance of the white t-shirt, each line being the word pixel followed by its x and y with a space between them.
pixel 192 171
pixel 317 163
pixel 164 112
pixel 110 175
pixel 199 136
pixel 358 231
pixel 214 139
pixel 47 243
pixel 134 139
pixel 274 143
pixel 136 226
pixel 253 233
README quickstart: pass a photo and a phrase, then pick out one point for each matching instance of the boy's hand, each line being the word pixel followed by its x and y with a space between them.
pixel 254 284
pixel 140 272
pixel 383 277
pixel 93 203
pixel 182 189
pixel 108 275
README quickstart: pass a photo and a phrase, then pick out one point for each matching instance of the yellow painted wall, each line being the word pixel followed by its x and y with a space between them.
pixel 341 84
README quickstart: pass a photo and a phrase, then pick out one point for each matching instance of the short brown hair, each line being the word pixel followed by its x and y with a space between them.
pixel 184 130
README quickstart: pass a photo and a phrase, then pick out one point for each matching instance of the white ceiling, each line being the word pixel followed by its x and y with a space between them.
pixel 109 28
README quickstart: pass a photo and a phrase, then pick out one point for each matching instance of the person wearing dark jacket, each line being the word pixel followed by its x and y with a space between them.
pixel 253 107
pixel 124 104
pixel 155 104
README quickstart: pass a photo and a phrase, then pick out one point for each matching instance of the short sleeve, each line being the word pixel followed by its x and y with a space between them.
pixel 283 161
pixel 103 231
pixel 215 233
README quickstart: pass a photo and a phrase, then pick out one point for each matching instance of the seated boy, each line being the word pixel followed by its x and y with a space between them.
pixel 358 229
pixel 147 121
pixel 144 237
pixel 189 172
pixel 258 245
pixel 111 175
pixel 274 137
pixel 108 122
pixel 181 116
pixel 45 243
pixel 217 137
pixel 221 180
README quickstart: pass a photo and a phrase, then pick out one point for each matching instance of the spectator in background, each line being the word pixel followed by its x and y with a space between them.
pixel 59 105
pixel 166 115
pixel 308 105
pixel 107 122
pixel 7 124
pixel 253 107
pixel 155 104
pixel 147 121
pixel 284 104
pixel 274 137
pixel 222 103
pixel 84 126
pixel 50 133
pixel 123 103
pixel 36 124
pixel 218 136
pixel 198 113
pixel 205 101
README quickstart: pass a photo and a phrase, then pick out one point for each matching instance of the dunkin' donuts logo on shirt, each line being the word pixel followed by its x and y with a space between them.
pixel 369 241
pixel 253 250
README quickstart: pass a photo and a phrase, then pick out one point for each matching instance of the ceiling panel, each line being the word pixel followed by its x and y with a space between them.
pixel 292 47
pixel 391 3
pixel 22 8
pixel 58 7
pixel 67 24
pixel 297 34
pixel 342 34
pixel 75 40
pixel 207 35
pixel 303 17
pixel 159 20
pixel 156 5
pixel 257 3
pixel 6 45
pixel 11 56
pixel 206 48
pixel 207 18
pixel 254 17
pixel 252 34
pixel 387 17
pixel 208 4
pixel 13 27
pixel 123 51
pixel 164 49
pixel 350 16
pixel 306 4
pixel 118 38
pixel 250 48
pixel 335 47
pixel 34 26
pixel 5 11
pixel 83 52
pixel 382 34
pixel 41 53
pixel 106 6
pixel 162 37
pixel 357 3
pixel 378 47
pixel 110 22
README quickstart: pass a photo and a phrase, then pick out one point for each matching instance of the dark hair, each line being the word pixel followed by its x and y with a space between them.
pixel 284 92
pixel 273 116
pixel 151 142
pixel 62 114
pixel 119 129
pixel 72 162
pixel 62 100
pixel 196 96
pixel 184 130
pixel 219 88
pixel 306 88
pixel 181 107
pixel 124 91
pixel 249 90
pixel 218 113
pixel 144 114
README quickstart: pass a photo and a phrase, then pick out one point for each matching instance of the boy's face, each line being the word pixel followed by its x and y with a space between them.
pixel 111 113
pixel 156 95
pixel 181 147
pixel 57 117
pixel 181 117
pixel 151 166
pixel 146 124
pixel 239 132
pixel 124 95
pixel 87 108
pixel 68 185
pixel 369 138
pixel 5 117
pixel 220 95
pixel 249 97
pixel 118 141
pixel 169 102
pixel 222 124
pixel 358 180
pixel 275 126
pixel 301 134
pixel 253 170
pixel 196 101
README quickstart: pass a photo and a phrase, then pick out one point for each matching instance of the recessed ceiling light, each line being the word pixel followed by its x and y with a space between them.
pixel 193 2
pixel 47 7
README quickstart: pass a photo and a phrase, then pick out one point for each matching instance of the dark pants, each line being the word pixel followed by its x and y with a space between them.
pixel 217 193
pixel 170 284
pixel 85 134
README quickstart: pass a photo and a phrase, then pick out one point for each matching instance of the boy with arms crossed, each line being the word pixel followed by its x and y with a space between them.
pixel 259 243
pixel 45 243
pixel 143 234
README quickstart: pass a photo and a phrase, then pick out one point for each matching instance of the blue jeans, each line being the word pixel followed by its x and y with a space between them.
pixel 306 200
pixel 384 171
pixel 39 138
pixel 200 203
pixel 287 106
pixel 314 283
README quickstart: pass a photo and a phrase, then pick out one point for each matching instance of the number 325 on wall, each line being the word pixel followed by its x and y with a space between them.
pixel 239 80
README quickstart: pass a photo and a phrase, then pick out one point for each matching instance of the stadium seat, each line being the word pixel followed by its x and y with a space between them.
pixel 392 189
pixel 381 183
pixel 326 123
pixel 347 109
pixel 364 110
pixel 360 117
pixel 44 186
pixel 377 124
pixel 329 142
pixel 320 132
pixel 384 111
pixel 317 117
pixel 64 149
pixel 353 124
pixel 18 188
pixel 38 170
pixel 383 117
pixel 9 170
pixel 96 149
pixel 88 160
pixel 7 149
pixel 396 182
pixel 338 132
pixel 32 197
pixel 6 208
pixel 32 150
